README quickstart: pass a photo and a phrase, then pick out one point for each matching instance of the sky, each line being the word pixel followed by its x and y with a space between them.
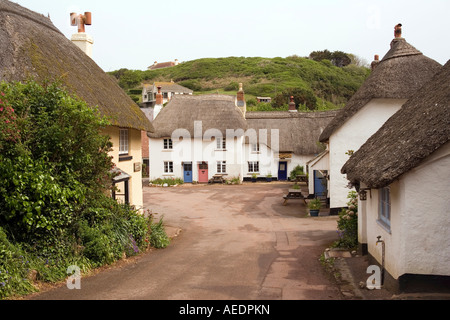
pixel 133 34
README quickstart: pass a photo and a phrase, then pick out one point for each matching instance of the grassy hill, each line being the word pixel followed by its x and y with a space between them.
pixel 321 84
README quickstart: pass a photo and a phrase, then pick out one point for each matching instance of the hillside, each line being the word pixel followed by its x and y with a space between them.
pixel 315 85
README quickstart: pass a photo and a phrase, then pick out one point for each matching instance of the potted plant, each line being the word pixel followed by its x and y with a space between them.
pixel 314 207
pixel 269 177
pixel 254 176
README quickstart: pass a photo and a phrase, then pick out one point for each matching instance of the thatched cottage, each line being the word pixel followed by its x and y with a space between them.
pixel 394 79
pixel 32 47
pixel 403 175
pixel 198 137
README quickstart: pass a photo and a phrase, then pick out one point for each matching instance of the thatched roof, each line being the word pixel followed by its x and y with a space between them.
pixel 399 75
pixel 215 111
pixel 32 47
pixel 298 131
pixel 418 129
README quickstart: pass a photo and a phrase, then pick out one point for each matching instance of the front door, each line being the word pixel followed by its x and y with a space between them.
pixel 320 184
pixel 203 172
pixel 282 171
pixel 187 168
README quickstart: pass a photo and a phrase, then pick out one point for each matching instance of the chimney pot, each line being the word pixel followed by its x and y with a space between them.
pixel 292 105
pixel 398 31
pixel 240 94
pixel 375 62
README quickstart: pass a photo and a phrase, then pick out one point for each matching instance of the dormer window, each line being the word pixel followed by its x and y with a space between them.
pixel 221 143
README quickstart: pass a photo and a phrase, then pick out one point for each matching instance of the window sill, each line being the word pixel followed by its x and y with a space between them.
pixel 167 150
pixel 220 150
pixel 384 225
pixel 125 157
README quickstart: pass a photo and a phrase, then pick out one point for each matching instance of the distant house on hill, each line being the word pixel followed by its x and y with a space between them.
pixel 162 65
pixel 168 90
pixel 32 47
pixel 395 78
pixel 403 176
pixel 199 137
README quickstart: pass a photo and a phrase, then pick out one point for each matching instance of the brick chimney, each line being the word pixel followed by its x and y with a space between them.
pixel 81 39
pixel 375 62
pixel 240 100
pixel 159 103
pixel 292 105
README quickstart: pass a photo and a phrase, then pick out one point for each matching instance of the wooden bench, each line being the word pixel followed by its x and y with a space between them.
pixel 218 178
pixel 294 194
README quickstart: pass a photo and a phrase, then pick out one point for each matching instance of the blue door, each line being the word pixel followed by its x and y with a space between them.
pixel 282 171
pixel 320 184
pixel 187 167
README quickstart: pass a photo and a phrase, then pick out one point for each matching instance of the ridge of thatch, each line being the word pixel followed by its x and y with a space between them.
pixel 298 131
pixel 33 48
pixel 214 111
pixel 419 128
pixel 399 75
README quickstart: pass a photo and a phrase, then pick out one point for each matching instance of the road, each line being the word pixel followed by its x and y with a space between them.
pixel 236 243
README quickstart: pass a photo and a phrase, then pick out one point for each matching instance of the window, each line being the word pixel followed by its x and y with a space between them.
pixel 123 141
pixel 168 167
pixel 221 143
pixel 221 166
pixel 168 144
pixel 255 147
pixel 384 207
pixel 253 166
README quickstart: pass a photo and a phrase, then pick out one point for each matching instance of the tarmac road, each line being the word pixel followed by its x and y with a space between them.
pixel 236 243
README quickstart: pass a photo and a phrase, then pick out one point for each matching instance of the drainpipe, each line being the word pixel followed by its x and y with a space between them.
pixel 382 257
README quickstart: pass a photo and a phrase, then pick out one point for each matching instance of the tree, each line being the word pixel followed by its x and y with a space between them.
pixel 56 159
pixel 338 58
pixel 301 97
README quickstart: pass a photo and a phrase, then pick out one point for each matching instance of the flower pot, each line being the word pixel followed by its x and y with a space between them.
pixel 269 179
pixel 314 213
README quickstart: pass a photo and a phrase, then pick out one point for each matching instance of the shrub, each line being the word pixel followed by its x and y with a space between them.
pixel 348 223
pixel 298 170
pixel 158 237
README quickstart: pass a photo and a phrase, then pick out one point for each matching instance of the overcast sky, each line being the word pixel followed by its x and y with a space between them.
pixel 134 33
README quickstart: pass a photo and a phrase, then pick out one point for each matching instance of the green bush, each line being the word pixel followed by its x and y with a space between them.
pixel 158 236
pixel 298 170
pixel 168 181
pixel 55 173
pixel 348 223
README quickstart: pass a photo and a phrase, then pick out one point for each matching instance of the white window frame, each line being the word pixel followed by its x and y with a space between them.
pixel 168 167
pixel 253 166
pixel 221 167
pixel 221 143
pixel 255 148
pixel 168 144
pixel 124 141
pixel 384 207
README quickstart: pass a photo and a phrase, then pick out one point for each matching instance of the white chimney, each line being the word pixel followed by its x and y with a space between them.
pixel 81 39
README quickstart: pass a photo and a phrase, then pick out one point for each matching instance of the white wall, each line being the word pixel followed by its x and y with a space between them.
pixel 419 239
pixel 350 136
pixel 196 151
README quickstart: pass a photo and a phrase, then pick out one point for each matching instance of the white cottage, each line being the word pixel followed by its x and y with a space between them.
pixel 199 137
pixel 394 79
pixel 403 176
